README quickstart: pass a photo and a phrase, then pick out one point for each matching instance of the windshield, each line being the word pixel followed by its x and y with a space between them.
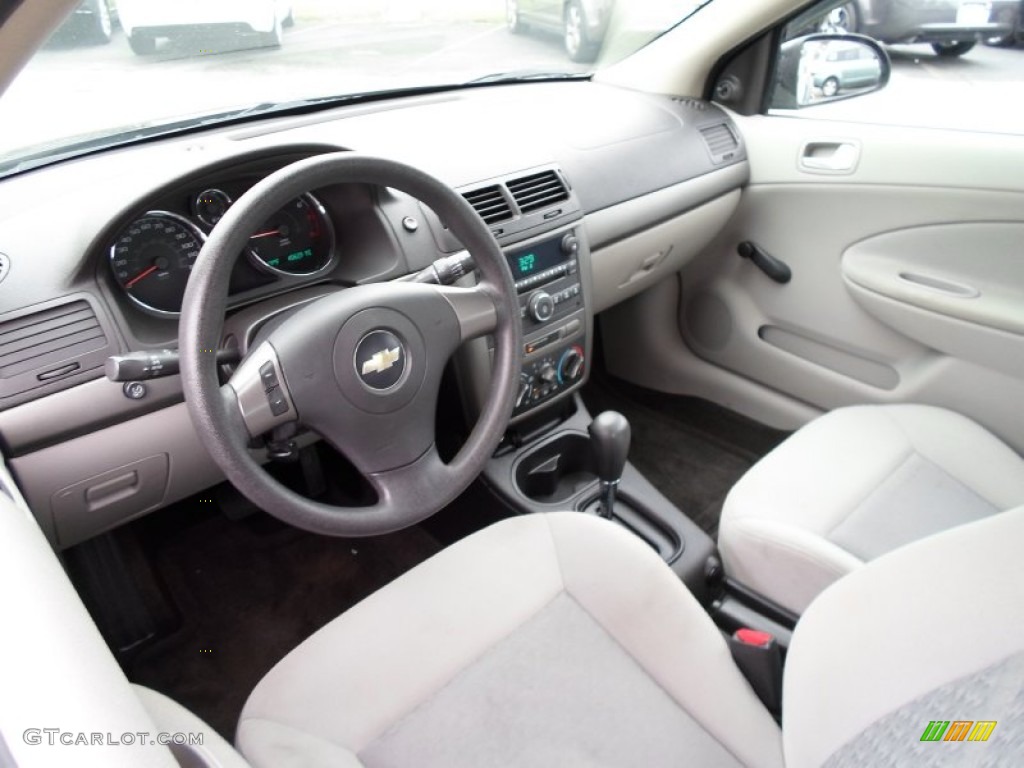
pixel 120 70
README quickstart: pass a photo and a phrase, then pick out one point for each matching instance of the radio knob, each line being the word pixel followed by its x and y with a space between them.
pixel 570 244
pixel 541 306
pixel 570 367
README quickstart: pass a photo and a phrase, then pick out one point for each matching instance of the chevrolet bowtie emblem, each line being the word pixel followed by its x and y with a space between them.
pixel 382 360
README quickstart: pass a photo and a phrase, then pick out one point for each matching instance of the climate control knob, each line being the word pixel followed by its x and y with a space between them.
pixel 570 367
pixel 548 374
pixel 541 306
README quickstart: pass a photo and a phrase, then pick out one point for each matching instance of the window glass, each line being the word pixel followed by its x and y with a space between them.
pixel 955 63
pixel 123 69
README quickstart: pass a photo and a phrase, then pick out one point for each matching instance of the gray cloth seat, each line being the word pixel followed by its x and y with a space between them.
pixel 562 640
pixel 854 484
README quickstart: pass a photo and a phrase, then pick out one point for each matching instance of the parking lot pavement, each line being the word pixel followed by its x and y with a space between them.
pixel 108 85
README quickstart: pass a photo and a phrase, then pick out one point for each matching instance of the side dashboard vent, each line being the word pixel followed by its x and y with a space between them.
pixel 721 141
pixel 538 190
pixel 490 203
pixel 49 345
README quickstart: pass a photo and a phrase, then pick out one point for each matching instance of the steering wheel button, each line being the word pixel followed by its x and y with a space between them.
pixel 269 376
pixel 276 400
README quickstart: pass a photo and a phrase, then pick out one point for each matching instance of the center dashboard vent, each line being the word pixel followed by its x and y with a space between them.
pixel 490 203
pixel 50 345
pixel 538 190
pixel 721 141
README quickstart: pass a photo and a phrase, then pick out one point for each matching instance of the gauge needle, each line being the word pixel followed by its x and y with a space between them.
pixel 142 274
pixel 268 233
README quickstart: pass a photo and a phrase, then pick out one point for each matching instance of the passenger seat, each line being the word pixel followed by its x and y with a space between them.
pixel 854 484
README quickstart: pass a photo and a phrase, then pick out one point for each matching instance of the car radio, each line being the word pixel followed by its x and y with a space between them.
pixel 552 309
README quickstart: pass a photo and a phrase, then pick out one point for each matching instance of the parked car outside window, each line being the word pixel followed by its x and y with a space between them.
pixel 952 27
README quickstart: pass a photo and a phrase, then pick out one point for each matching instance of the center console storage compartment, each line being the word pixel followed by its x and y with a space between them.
pixel 557 469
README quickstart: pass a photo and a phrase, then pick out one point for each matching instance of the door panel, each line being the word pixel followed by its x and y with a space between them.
pixel 944 208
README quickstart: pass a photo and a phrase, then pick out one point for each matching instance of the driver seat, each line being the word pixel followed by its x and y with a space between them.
pixel 561 640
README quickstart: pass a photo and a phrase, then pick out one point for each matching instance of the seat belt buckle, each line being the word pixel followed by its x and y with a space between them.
pixel 759 657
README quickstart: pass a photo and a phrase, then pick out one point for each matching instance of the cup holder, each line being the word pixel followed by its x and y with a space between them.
pixel 556 470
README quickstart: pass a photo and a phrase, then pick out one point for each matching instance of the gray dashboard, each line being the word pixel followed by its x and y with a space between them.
pixel 651 179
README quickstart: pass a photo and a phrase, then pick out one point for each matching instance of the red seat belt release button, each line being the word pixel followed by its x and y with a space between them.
pixel 754 637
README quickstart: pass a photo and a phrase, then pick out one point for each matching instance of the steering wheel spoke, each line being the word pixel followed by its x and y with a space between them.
pixel 475 308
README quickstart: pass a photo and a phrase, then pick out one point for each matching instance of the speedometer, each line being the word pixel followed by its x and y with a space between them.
pixel 152 259
pixel 297 240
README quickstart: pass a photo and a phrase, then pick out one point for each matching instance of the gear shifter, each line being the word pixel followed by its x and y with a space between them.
pixel 609 440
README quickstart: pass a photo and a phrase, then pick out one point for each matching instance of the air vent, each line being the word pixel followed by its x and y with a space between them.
pixel 538 190
pixel 490 203
pixel 49 345
pixel 721 141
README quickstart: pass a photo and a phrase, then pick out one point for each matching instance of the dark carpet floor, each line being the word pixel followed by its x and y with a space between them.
pixel 248 593
pixel 692 450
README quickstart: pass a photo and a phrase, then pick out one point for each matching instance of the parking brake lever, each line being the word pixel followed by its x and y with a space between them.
pixel 775 268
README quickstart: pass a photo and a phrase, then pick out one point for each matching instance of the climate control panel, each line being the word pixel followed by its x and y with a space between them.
pixel 549 374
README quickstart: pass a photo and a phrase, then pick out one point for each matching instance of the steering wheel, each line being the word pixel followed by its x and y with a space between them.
pixel 360 367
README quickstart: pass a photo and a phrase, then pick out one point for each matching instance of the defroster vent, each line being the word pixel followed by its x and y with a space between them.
pixel 490 203
pixel 538 190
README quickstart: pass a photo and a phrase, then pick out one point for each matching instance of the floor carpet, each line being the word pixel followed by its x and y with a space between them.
pixel 248 593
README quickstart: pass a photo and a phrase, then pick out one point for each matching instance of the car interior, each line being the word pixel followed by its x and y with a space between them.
pixel 634 418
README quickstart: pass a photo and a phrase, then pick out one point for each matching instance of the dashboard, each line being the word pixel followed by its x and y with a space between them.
pixel 590 210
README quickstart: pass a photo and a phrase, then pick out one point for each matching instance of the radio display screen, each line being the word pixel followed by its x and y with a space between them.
pixel 527 262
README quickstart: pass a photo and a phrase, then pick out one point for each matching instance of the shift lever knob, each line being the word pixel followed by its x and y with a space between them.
pixel 609 437
pixel 609 440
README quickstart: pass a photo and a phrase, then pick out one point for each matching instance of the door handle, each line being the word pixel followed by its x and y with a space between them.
pixel 776 269
pixel 830 156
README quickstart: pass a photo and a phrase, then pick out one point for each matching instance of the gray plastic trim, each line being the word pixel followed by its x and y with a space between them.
pixel 74 412
pixel 169 431
pixel 856 366
pixel 969 271
pixel 620 221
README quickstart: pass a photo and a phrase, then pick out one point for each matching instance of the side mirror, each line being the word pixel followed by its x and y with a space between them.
pixel 821 68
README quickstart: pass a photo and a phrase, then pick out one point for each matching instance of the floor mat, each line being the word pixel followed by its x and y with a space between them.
pixel 249 592
pixel 692 450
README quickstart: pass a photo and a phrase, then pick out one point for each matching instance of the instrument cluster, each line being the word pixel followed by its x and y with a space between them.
pixel 152 256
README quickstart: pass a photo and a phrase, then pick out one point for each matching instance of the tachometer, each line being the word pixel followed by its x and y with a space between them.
pixel 297 240
pixel 153 257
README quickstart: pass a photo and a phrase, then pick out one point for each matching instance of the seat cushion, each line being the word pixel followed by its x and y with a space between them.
pixel 553 639
pixel 854 484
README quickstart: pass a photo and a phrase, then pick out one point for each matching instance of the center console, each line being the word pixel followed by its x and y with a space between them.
pixel 547 460
pixel 555 318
